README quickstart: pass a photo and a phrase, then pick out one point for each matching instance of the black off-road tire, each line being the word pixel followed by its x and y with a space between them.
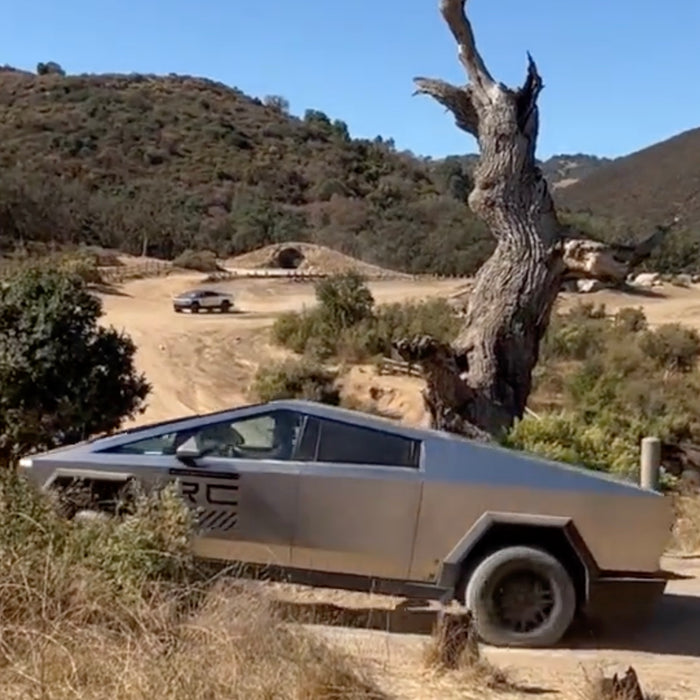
pixel 225 307
pixel 532 572
pixel 194 308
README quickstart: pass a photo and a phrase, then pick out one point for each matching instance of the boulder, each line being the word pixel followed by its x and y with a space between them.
pixel 647 279
pixel 589 286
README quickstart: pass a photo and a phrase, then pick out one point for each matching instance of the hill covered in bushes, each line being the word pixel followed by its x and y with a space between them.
pixel 162 164
pixel 626 198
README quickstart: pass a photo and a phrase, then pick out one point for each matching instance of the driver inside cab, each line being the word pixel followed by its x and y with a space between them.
pixel 223 440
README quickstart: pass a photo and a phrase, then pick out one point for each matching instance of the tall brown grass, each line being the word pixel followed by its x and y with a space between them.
pixel 230 646
pixel 118 609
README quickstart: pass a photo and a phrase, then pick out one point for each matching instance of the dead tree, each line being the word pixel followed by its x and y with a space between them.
pixel 481 384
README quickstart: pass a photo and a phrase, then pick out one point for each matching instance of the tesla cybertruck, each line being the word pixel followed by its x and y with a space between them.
pixel 342 499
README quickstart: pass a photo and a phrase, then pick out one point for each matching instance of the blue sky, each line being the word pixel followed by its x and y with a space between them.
pixel 619 74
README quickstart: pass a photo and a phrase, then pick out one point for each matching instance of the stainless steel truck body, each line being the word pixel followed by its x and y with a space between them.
pixel 344 499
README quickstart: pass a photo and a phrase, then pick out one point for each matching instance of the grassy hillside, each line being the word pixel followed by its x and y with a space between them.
pixel 565 170
pixel 168 163
pixel 161 164
pixel 629 196
pixel 644 187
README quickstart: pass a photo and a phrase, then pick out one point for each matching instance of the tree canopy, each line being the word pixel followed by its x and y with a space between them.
pixel 63 377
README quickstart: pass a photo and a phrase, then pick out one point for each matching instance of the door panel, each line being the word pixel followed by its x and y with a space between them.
pixel 247 508
pixel 244 485
pixel 356 519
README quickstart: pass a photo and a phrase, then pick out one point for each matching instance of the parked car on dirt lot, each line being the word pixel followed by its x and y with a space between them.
pixel 342 499
pixel 198 300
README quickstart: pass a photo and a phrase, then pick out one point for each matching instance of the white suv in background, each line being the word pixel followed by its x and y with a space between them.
pixel 203 299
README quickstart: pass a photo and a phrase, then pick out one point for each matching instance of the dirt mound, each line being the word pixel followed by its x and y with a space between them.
pixel 307 257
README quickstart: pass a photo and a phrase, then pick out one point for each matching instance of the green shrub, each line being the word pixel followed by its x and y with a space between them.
pixel 629 320
pixel 295 379
pixel 566 438
pixel 199 260
pixel 618 381
pixel 673 347
pixel 63 376
pixel 295 331
pixel 346 323
pixel 374 336
pixel 82 263
pixel 576 334
pixel 344 300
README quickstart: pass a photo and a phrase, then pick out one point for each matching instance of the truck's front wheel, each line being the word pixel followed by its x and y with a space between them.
pixel 521 597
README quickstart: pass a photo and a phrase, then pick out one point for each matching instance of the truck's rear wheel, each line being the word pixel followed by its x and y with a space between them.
pixel 521 597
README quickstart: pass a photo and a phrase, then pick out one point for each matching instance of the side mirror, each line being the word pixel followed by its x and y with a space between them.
pixel 189 452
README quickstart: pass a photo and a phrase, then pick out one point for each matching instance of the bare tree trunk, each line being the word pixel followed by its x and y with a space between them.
pixel 481 384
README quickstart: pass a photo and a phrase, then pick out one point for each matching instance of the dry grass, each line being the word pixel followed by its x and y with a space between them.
pixel 231 646
pixel 454 649
pixel 118 609
pixel 619 687
pixel 686 530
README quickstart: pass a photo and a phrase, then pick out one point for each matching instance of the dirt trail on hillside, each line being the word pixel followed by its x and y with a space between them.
pixel 667 304
pixel 204 362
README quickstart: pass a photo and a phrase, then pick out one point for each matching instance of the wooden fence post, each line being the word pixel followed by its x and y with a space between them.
pixel 651 463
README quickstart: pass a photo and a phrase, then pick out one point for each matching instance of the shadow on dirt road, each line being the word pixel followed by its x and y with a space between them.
pixel 673 629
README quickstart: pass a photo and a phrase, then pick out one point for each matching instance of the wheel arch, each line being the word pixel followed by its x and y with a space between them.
pixel 492 531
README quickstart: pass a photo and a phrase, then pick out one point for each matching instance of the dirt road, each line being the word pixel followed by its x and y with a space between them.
pixel 665 654
pixel 667 304
pixel 205 362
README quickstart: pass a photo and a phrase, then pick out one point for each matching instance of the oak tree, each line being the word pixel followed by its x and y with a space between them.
pixel 480 384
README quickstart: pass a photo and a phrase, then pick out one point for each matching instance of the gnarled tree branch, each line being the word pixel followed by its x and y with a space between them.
pixel 457 100
pixel 461 28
